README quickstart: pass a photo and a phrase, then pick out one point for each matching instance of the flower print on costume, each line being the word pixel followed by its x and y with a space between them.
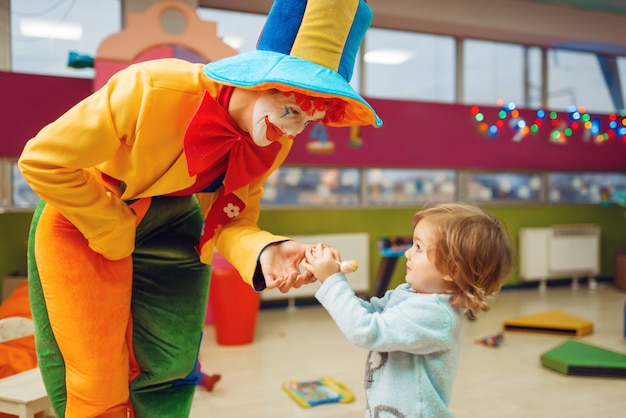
pixel 231 210
pixel 231 207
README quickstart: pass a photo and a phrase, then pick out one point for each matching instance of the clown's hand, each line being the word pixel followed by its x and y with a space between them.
pixel 280 265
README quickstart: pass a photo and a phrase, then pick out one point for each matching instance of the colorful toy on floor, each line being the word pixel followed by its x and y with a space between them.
pixel 551 322
pixel 317 392
pixel 200 378
pixel 208 381
pixel 491 340
pixel 577 358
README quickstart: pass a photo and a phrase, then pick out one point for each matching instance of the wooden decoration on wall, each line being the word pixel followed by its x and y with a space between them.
pixel 166 29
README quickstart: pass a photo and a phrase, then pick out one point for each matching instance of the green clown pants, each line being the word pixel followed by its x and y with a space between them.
pixel 120 338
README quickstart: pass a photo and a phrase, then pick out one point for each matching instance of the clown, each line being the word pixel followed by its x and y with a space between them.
pixel 144 178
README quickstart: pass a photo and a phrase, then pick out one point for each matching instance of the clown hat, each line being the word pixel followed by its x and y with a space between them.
pixel 307 46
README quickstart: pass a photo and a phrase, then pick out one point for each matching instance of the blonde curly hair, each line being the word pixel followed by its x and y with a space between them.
pixel 474 248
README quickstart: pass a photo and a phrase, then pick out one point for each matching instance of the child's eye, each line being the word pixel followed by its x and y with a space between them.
pixel 296 112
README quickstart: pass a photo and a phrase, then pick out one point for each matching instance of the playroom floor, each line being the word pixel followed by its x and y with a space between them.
pixel 507 381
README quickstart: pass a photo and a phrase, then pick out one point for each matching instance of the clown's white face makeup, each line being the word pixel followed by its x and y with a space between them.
pixel 276 115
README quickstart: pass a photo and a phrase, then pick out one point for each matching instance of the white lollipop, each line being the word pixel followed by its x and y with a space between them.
pixel 348 266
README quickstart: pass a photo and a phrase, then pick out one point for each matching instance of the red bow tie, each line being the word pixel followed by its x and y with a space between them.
pixel 213 135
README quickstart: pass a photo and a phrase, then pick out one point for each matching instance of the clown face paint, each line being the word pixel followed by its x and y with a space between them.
pixel 276 115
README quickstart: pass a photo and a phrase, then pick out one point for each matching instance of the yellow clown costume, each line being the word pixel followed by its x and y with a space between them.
pixel 139 182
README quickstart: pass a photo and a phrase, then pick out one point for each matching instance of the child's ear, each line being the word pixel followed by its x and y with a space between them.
pixel 453 273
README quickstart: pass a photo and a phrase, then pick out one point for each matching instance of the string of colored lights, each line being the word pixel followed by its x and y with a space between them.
pixel 562 125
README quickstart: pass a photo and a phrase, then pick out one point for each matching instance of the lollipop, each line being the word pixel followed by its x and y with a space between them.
pixel 347 266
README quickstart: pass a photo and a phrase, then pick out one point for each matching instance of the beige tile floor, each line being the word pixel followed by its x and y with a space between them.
pixel 508 381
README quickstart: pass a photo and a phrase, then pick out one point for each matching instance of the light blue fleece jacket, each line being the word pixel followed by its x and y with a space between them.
pixel 414 341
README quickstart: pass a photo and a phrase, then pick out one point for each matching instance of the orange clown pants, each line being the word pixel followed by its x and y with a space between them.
pixel 120 338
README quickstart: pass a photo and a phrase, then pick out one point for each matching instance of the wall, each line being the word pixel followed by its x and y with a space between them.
pixel 441 135
pixel 13 242
pixel 380 222
pixel 29 102
pixel 5 35
pixel 415 134
pixel 377 222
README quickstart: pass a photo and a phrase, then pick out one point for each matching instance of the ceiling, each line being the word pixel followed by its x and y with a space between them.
pixel 262 6
pixel 597 26
pixel 609 6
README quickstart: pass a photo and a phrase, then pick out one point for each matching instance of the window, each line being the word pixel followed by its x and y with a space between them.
pixel 490 187
pixel 495 71
pixel 575 78
pixel 587 188
pixel 43 33
pixel 409 186
pixel 410 66
pixel 378 187
pixel 313 187
pixel 15 194
pixel 239 30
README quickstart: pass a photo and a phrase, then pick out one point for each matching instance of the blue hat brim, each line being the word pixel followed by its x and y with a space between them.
pixel 260 70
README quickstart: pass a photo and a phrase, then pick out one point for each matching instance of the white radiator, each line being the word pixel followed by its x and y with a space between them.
pixel 559 251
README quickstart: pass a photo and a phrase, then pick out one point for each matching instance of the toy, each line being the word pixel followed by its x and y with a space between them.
pixel 491 340
pixel 578 358
pixel 207 381
pixel 317 392
pixel 550 322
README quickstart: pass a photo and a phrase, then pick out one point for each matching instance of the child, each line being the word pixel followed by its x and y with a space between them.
pixel 460 256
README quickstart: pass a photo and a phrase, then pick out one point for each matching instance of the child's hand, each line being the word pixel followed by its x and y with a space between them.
pixel 321 261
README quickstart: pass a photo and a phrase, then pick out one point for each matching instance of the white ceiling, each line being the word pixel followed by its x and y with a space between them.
pixel 533 22
pixel 263 6
pixel 608 6
pixel 589 25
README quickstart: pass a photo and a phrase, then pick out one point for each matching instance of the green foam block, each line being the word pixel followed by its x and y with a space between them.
pixel 577 358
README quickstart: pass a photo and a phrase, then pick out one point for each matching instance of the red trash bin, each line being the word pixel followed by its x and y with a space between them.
pixel 234 303
pixel 208 320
